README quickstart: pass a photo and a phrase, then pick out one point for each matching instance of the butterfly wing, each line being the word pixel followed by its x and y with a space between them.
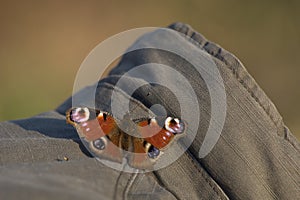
pixel 154 139
pixel 159 136
pixel 99 132
pixel 105 140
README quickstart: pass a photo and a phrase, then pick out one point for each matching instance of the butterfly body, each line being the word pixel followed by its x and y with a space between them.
pixel 141 143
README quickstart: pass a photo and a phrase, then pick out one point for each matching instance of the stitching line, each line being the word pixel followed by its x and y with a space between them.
pixel 221 58
pixel 205 176
pixel 268 108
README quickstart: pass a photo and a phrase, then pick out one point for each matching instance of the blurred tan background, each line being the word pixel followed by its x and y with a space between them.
pixel 42 44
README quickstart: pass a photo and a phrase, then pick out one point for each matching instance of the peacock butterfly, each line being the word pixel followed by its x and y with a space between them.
pixel 147 139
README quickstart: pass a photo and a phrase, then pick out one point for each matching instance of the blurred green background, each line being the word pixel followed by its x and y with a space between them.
pixel 42 44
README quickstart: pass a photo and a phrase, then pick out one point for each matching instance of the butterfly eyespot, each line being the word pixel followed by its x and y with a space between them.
pixel 153 152
pixel 104 115
pixel 99 144
pixel 174 125
pixel 79 115
pixel 103 137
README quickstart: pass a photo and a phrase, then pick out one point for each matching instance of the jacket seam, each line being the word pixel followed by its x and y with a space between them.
pixel 220 58
pixel 264 102
pixel 206 177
